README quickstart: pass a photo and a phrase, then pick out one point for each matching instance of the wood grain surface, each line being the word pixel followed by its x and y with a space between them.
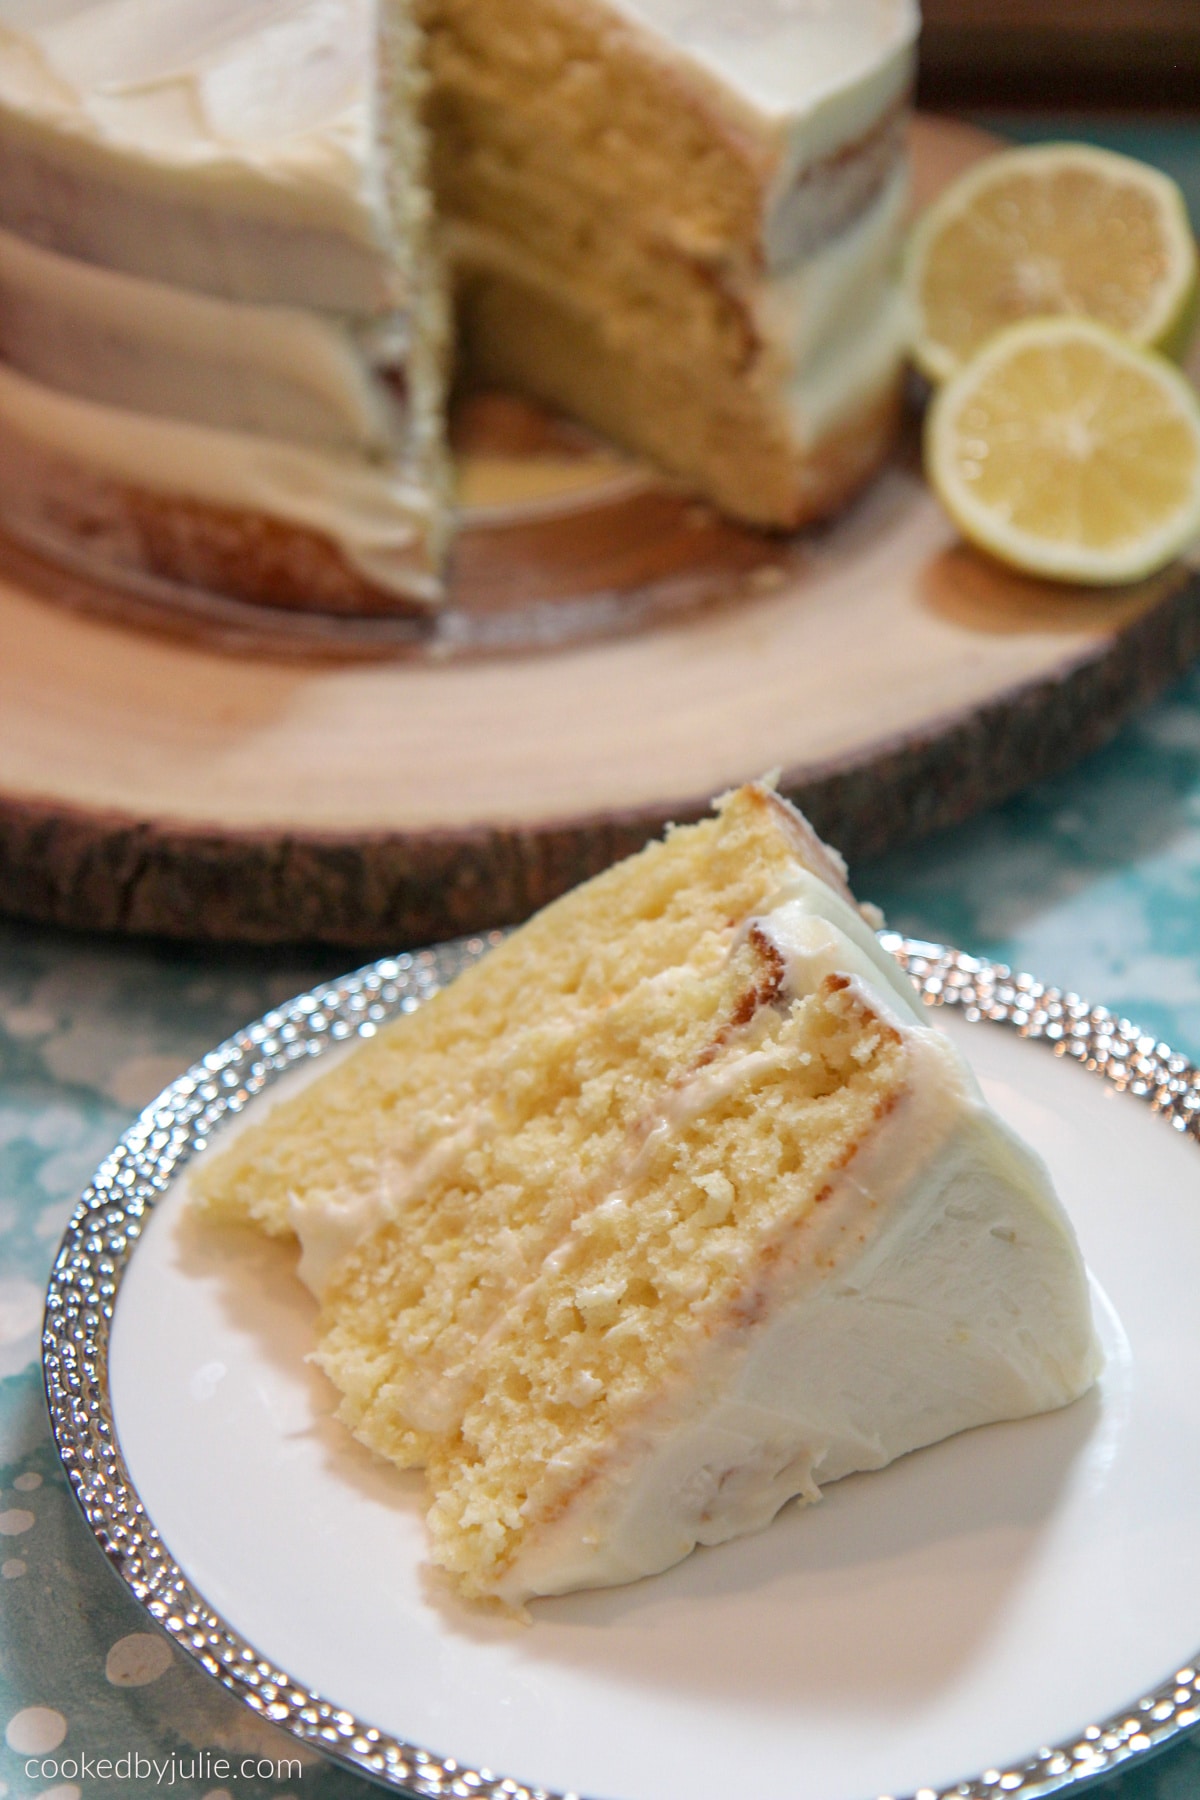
pixel 643 655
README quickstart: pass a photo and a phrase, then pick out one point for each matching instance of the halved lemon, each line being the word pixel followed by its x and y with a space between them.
pixel 1055 228
pixel 1067 452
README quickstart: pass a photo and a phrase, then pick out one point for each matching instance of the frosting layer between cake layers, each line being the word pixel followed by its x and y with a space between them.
pixel 214 255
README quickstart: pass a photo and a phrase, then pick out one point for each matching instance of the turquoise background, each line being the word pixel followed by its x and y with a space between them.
pixel 1092 881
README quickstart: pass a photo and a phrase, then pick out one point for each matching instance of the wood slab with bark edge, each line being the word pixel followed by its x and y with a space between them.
pixel 163 782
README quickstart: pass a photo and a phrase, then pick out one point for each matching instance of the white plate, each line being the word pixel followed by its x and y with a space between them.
pixel 966 1613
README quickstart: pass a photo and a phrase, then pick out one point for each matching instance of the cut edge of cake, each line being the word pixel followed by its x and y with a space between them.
pixel 744 327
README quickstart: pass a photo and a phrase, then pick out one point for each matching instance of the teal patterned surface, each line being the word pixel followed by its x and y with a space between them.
pixel 1091 881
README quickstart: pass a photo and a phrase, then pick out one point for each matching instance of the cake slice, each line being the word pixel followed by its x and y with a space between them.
pixel 669 1210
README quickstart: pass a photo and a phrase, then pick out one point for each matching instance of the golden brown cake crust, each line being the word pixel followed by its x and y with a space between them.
pixel 256 558
pixel 112 528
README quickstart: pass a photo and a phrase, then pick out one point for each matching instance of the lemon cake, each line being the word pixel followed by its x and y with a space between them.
pixel 224 315
pixel 671 1209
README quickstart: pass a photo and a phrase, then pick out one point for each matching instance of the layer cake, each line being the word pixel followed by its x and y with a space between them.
pixel 224 302
pixel 671 1209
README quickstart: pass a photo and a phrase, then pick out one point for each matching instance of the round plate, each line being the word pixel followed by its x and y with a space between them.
pixel 1014 1610
pixel 612 656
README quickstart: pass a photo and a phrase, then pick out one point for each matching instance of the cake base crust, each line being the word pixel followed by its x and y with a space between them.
pixel 113 530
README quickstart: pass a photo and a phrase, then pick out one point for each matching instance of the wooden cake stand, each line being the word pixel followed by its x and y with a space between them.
pixel 614 655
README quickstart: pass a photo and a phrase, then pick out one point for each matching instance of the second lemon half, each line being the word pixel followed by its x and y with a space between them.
pixel 1067 452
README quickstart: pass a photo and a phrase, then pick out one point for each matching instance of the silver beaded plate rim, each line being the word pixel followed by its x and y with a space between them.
pixel 109 1219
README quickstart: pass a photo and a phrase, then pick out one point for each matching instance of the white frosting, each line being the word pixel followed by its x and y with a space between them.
pixel 817 933
pixel 837 320
pixel 823 69
pixel 878 1348
pixel 329 1226
pixel 198 79
pixel 147 347
pixel 227 111
pixel 902 1316
pixel 371 511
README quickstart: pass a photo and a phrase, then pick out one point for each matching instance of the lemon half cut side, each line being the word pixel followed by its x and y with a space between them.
pixel 1069 453
pixel 1049 229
